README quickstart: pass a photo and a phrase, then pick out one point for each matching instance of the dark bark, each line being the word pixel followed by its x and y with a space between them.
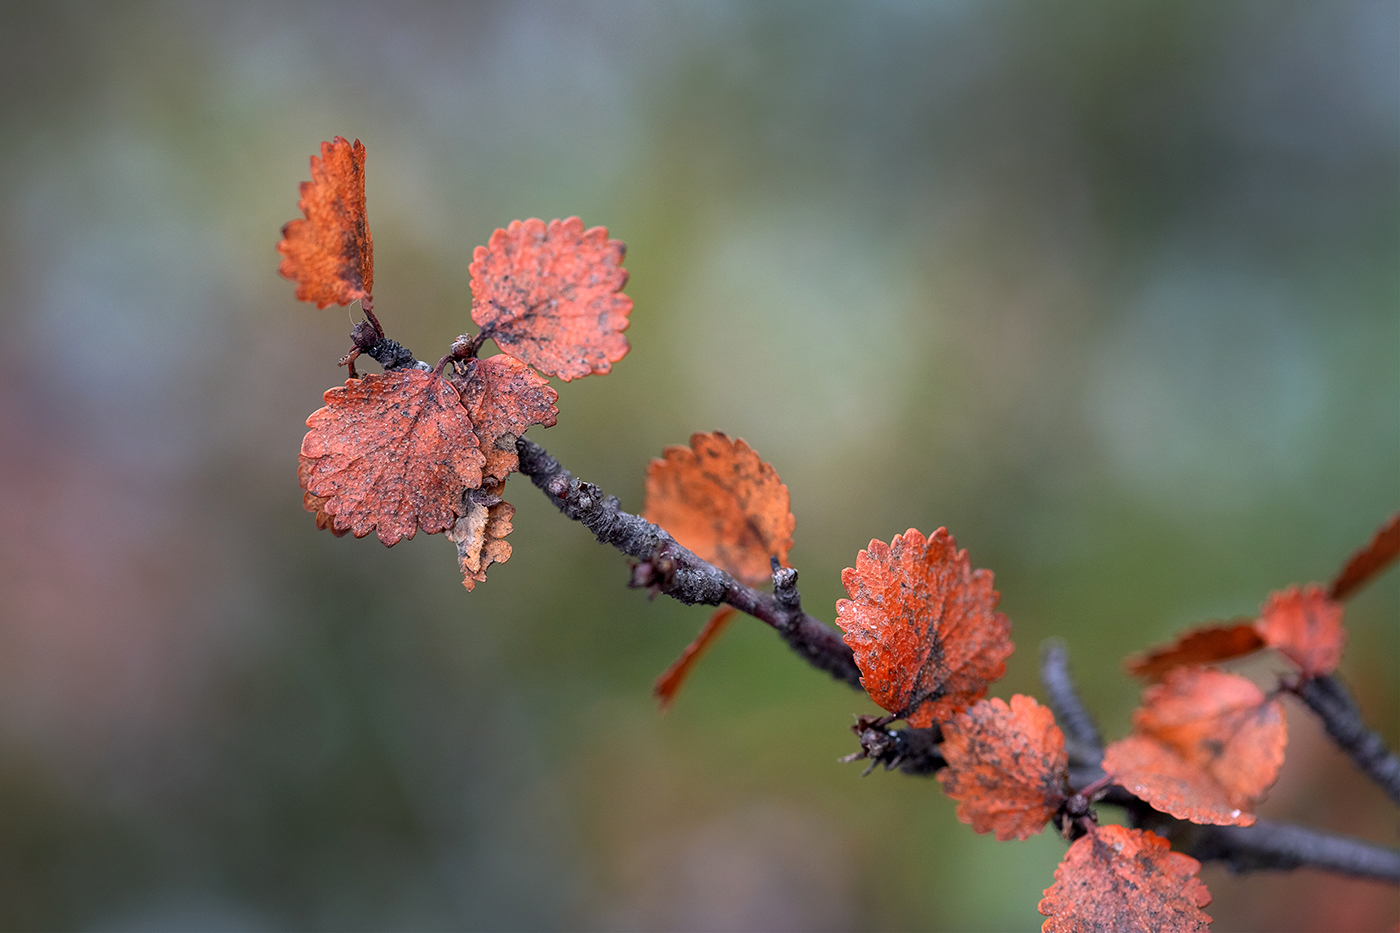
pixel 666 567
pixel 1340 717
pixel 1085 745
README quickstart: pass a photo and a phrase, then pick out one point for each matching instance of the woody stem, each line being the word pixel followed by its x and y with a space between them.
pixel 678 572
pixel 1334 706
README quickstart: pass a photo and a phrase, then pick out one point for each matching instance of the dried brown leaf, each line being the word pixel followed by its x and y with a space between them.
pixel 392 451
pixel 1304 626
pixel 1126 881
pixel 551 295
pixel 504 398
pixel 717 498
pixel 330 254
pixel 923 625
pixel 480 532
pixel 1007 766
pixel 671 679
pixel 1378 553
pixel 1198 646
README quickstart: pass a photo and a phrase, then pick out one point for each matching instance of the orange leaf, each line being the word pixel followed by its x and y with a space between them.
pixel 330 254
pixel 316 505
pixel 550 295
pixel 392 451
pixel 1154 772
pixel 1198 646
pixel 1383 548
pixel 480 532
pixel 717 498
pixel 1128 881
pixel 1221 727
pixel 504 399
pixel 1305 627
pixel 1007 766
pixel 671 679
pixel 923 625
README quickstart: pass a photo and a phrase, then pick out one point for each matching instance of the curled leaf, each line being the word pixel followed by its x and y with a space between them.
pixel 717 498
pixel 480 532
pixel 1305 627
pixel 923 625
pixel 1221 727
pixel 1128 881
pixel 551 296
pixel 504 399
pixel 329 253
pixel 392 451
pixel 1198 646
pixel 1007 766
pixel 671 679
pixel 316 505
pixel 1378 553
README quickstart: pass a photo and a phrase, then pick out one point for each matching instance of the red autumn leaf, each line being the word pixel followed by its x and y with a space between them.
pixel 392 451
pixel 1153 771
pixel 316 505
pixel 1383 548
pixel 480 532
pixel 1304 626
pixel 551 296
pixel 671 679
pixel 717 498
pixel 1221 727
pixel 1007 766
pixel 330 253
pixel 924 626
pixel 1198 646
pixel 504 399
pixel 1127 881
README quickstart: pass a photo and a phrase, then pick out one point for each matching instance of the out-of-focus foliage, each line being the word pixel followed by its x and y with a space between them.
pixel 1108 289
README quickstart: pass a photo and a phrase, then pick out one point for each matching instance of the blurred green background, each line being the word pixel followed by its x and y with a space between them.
pixel 1110 290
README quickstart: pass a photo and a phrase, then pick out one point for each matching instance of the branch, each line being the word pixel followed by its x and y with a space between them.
pixel 1281 846
pixel 1342 720
pixel 671 569
pixel 1086 745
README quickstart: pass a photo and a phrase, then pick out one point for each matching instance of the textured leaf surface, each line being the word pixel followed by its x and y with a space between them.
pixel 1007 766
pixel 717 498
pixel 504 399
pixel 1198 646
pixel 480 532
pixel 923 625
pixel 1382 549
pixel 671 679
pixel 551 295
pixel 1128 881
pixel 1218 725
pixel 1306 627
pixel 1153 771
pixel 393 452
pixel 316 505
pixel 329 253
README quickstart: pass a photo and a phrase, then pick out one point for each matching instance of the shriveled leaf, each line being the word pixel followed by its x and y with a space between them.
pixel 329 253
pixel 717 498
pixel 1198 646
pixel 671 679
pixel 1127 881
pixel 923 625
pixel 1153 771
pixel 1007 766
pixel 1379 552
pixel 480 532
pixel 316 505
pixel 504 398
pixel 392 451
pixel 1304 626
pixel 551 295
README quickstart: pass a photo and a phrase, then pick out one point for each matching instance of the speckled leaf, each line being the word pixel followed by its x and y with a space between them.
pixel 329 253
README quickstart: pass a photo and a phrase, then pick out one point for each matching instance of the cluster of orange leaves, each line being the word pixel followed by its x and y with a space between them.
pixel 411 449
pixel 1206 744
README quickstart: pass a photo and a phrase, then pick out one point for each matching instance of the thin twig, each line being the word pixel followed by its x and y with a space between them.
pixel 1283 847
pixel 1327 697
pixel 671 569
pixel 1086 745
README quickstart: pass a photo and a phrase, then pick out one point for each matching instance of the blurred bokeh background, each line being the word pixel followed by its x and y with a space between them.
pixel 1111 290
